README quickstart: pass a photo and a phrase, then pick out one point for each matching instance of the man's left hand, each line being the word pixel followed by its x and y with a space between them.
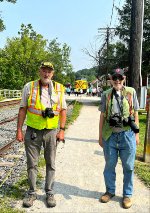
pixel 60 135
pixel 137 138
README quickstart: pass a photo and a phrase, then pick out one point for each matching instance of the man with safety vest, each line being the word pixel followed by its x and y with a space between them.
pixel 118 135
pixel 44 104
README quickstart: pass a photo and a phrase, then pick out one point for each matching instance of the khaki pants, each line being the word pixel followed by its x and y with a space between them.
pixel 34 140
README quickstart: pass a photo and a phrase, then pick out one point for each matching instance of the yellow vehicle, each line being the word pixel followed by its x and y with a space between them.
pixel 81 85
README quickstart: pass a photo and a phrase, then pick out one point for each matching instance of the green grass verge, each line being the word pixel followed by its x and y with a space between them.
pixel 8 209
pixel 75 113
pixel 142 169
pixel 140 147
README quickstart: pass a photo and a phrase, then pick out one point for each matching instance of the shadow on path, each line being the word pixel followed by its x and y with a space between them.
pixel 67 190
pixel 81 139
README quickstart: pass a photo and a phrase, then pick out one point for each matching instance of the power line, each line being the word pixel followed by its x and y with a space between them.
pixel 112 12
pixel 107 32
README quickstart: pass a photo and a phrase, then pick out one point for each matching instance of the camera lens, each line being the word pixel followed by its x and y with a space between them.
pixel 49 112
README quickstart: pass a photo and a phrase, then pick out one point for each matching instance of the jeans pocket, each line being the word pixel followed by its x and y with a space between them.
pixel 129 139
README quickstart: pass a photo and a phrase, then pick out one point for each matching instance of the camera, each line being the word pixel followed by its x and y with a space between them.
pixel 131 122
pixel 115 120
pixel 48 112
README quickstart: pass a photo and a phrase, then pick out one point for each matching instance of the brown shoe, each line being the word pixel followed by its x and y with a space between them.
pixel 106 197
pixel 28 200
pixel 50 200
pixel 126 202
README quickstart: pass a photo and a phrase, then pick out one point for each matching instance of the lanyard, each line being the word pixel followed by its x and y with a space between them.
pixel 49 91
pixel 117 99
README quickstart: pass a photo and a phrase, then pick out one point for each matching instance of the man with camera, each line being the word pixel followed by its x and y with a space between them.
pixel 44 104
pixel 118 135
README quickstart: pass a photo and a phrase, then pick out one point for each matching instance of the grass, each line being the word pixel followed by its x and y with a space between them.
pixel 1 98
pixel 143 172
pixel 140 147
pixel 142 169
pixel 8 209
pixel 75 113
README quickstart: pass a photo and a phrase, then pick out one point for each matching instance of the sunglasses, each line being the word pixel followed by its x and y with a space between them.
pixel 117 77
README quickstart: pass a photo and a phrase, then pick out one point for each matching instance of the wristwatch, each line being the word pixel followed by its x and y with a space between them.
pixel 62 128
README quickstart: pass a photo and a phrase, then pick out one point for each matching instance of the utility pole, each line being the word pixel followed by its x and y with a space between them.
pixel 107 30
pixel 146 154
pixel 135 50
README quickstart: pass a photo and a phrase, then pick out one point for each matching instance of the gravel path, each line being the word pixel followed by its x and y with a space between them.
pixel 79 177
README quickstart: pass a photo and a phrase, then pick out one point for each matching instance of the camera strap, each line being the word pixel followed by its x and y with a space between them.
pixel 117 99
pixel 49 91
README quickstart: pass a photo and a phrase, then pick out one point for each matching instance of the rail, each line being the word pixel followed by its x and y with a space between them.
pixel 9 102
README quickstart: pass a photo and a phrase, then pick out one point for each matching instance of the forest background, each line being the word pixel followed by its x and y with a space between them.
pixel 22 55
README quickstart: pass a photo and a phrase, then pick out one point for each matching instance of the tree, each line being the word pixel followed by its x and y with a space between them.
pixel 2 26
pixel 124 33
pixel 88 74
pixel 59 55
pixel 115 55
pixel 21 57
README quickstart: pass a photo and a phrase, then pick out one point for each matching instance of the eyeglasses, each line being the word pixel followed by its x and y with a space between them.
pixel 117 77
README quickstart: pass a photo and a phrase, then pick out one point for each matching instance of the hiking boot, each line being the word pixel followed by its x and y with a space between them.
pixel 126 202
pixel 106 197
pixel 50 200
pixel 28 200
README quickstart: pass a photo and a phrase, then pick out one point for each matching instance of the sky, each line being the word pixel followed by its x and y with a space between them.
pixel 74 22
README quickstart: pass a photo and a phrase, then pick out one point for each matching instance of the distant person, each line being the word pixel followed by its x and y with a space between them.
pixel 118 135
pixel 44 105
pixel 94 91
pixel 68 90
pixel 75 91
pixel 90 91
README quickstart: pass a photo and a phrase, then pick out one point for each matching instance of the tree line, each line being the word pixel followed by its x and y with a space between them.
pixel 21 57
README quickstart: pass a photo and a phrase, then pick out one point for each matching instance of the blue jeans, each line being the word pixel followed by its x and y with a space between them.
pixel 121 144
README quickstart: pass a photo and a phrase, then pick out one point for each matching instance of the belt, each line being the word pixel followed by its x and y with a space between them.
pixel 117 129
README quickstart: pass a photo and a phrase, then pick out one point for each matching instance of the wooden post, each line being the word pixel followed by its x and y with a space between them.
pixel 147 135
pixel 135 50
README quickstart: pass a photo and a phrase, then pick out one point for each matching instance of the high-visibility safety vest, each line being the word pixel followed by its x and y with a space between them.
pixel 128 109
pixel 35 107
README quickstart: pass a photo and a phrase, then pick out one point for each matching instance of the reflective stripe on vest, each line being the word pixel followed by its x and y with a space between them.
pixel 35 107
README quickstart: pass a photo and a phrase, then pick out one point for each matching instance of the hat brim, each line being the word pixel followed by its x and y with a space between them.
pixel 51 68
pixel 116 74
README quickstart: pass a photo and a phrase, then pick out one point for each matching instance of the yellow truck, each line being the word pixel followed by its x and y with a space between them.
pixel 82 85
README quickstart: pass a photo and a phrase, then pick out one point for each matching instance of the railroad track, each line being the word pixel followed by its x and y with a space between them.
pixel 9 102
pixel 6 147
pixel 8 120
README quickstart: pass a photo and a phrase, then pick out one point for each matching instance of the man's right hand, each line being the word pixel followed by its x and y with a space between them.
pixel 101 142
pixel 19 136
